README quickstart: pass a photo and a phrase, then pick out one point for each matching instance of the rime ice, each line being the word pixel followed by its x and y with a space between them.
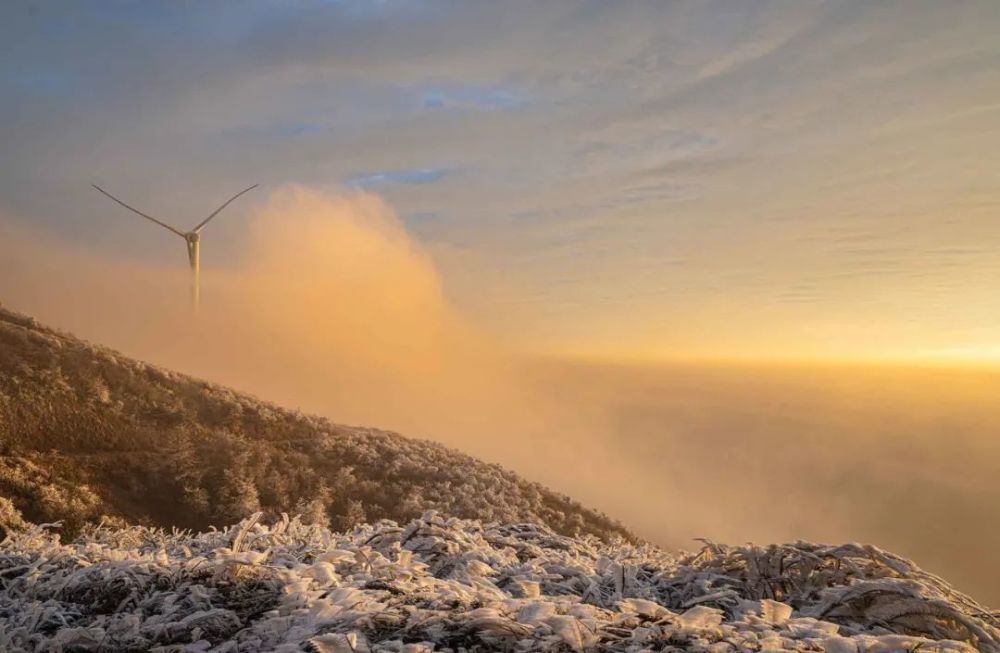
pixel 451 585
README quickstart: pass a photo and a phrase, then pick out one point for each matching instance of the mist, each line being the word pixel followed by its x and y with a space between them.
pixel 333 308
pixel 330 308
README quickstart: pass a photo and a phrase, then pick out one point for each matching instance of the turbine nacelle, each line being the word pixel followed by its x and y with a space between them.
pixel 191 238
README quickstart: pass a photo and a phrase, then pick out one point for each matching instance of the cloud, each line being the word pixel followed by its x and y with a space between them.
pixel 289 128
pixel 388 177
pixel 470 97
pixel 42 82
pixel 626 135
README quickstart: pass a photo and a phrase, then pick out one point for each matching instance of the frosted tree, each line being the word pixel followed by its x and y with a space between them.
pixel 10 518
pixel 353 516
pixel 315 510
pixel 238 497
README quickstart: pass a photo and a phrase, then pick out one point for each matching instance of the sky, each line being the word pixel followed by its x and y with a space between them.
pixel 603 179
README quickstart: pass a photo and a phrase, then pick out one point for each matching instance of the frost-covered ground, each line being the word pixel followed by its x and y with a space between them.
pixel 448 584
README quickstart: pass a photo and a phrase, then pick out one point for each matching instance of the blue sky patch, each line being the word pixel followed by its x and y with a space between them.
pixel 470 97
pixel 391 177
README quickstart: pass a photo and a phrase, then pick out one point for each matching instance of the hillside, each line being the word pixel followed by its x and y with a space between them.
pixel 86 434
pixel 439 584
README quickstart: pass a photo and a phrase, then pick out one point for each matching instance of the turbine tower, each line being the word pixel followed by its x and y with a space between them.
pixel 192 238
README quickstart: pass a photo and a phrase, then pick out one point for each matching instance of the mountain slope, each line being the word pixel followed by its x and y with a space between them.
pixel 86 432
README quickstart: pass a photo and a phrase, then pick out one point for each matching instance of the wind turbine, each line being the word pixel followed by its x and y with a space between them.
pixel 192 238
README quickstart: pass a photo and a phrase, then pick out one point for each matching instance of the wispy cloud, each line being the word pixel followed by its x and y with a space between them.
pixel 42 82
pixel 277 128
pixel 470 97
pixel 390 177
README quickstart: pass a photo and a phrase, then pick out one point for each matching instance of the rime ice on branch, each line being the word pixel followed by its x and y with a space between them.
pixel 448 584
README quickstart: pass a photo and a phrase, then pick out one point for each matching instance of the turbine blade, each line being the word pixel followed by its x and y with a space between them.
pixel 204 222
pixel 133 210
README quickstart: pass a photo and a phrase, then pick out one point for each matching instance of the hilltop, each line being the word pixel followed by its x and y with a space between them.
pixel 88 434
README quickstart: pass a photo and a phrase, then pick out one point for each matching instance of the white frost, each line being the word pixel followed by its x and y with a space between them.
pixel 449 585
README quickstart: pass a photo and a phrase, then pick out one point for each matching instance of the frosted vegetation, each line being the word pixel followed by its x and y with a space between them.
pixel 86 434
pixel 93 441
pixel 451 585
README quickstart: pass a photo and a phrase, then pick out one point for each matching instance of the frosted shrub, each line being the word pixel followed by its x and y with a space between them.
pixel 446 584
pixel 10 518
